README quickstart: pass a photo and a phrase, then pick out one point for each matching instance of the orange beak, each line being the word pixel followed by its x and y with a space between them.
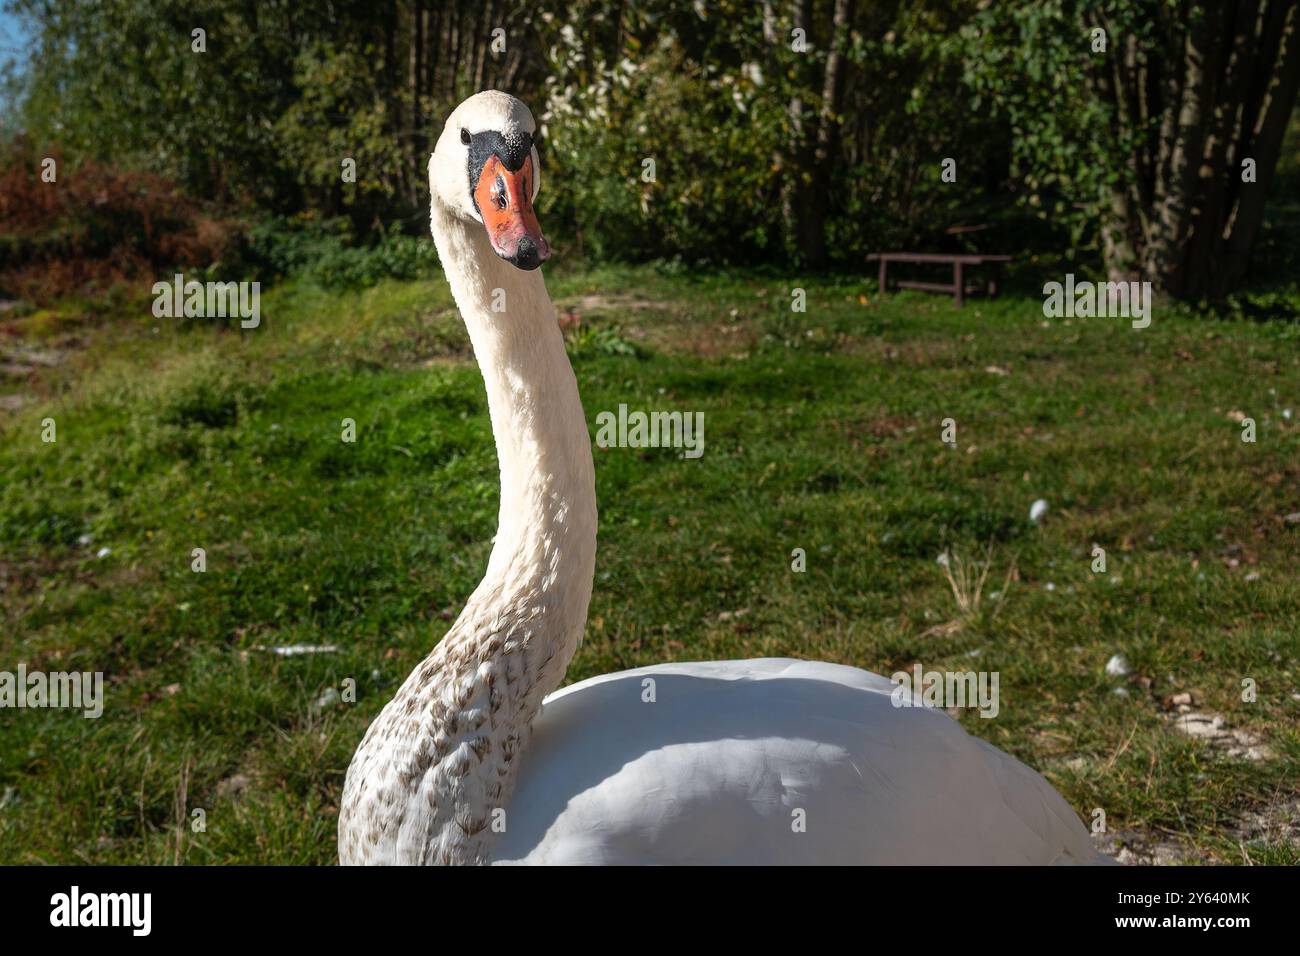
pixel 505 201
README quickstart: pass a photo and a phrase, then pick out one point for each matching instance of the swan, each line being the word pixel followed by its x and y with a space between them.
pixel 478 758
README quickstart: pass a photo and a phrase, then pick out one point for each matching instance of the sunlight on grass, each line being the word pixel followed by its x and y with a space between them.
pixel 823 432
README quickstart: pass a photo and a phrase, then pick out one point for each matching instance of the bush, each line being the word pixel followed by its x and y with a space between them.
pixel 324 253
pixel 96 226
pixel 203 394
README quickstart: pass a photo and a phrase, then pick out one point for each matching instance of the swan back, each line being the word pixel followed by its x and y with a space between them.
pixel 771 761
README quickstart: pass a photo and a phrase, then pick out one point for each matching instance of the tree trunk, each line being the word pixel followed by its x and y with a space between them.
pixel 1216 183
pixel 797 164
pixel 828 126
pixel 1177 197
pixel 1180 210
pixel 1265 146
pixel 816 136
pixel 419 142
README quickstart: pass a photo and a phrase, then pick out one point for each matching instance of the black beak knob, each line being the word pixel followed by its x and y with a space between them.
pixel 527 256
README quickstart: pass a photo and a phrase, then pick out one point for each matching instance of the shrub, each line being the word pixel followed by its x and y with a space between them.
pixel 324 253
pixel 96 226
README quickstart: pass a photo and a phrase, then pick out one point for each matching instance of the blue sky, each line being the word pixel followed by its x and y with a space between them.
pixel 14 40
pixel 14 37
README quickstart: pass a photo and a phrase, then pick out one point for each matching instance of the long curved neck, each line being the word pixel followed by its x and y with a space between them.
pixel 548 493
pixel 432 778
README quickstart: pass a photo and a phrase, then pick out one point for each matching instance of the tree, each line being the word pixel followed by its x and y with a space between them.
pixel 813 151
pixel 1177 113
pixel 278 95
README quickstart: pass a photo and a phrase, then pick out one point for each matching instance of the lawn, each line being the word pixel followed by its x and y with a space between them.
pixel 822 432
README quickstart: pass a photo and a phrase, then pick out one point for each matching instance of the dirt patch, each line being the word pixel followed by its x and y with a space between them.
pixel 18 578
pixel 1147 848
pixel 734 340
pixel 29 358
pixel 917 353
pixel 234 786
pixel 1272 825
pixel 25 577
pixel 1214 731
pixel 596 303
pixel 669 330
pixel 22 364
pixel 668 333
pixel 874 431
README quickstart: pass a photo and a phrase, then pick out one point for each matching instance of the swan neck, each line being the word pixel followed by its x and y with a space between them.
pixel 438 766
pixel 547 515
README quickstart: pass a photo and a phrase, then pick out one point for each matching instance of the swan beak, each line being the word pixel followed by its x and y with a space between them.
pixel 505 201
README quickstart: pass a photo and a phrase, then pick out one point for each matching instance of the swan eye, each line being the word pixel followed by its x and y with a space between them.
pixel 464 135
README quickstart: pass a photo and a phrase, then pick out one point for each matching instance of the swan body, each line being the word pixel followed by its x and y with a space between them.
pixel 772 761
pixel 761 761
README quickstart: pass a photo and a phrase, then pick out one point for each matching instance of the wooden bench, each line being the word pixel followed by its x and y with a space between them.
pixel 959 262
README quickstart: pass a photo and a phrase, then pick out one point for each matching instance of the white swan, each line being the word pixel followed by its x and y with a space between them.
pixel 761 761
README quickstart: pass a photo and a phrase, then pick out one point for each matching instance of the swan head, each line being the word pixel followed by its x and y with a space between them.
pixel 485 169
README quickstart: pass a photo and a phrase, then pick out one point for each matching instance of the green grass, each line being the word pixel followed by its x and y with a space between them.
pixel 822 432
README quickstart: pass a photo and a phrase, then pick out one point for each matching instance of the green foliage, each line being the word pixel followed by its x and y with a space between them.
pixel 324 253
pixel 594 340
pixel 908 115
pixel 707 140
pixel 1032 65
pixel 207 395
pixel 264 115
pixel 343 114
pixel 711 109
pixel 740 128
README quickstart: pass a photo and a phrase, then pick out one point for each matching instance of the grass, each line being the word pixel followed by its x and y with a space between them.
pixel 822 432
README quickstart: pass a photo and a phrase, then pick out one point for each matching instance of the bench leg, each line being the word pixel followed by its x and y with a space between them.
pixel 995 276
pixel 884 276
pixel 958 285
